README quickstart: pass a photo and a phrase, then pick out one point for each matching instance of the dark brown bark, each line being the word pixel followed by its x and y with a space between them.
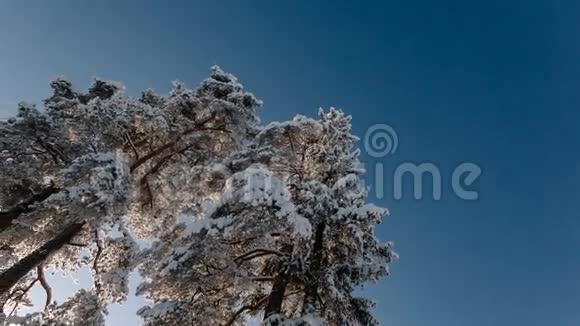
pixel 12 275
pixel 173 143
pixel 311 288
pixel 276 297
pixel 278 291
pixel 7 217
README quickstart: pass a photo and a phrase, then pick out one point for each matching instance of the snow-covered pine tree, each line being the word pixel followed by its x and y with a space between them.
pixel 94 169
pixel 270 222
pixel 288 238
pixel 208 269
pixel 342 253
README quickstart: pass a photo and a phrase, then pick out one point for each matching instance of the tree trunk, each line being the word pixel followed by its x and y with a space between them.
pixel 278 291
pixel 311 289
pixel 12 275
pixel 276 297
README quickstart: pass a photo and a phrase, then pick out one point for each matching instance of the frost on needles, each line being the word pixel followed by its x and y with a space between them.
pixel 225 219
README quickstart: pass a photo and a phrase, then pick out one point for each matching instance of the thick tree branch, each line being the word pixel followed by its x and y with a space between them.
pixel 130 142
pixel 12 275
pixel 197 127
pixel 80 245
pixel 258 252
pixel 7 217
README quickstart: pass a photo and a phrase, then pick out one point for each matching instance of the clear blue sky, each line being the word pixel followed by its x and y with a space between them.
pixel 493 82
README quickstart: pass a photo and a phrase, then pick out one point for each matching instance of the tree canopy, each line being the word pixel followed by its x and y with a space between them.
pixel 225 219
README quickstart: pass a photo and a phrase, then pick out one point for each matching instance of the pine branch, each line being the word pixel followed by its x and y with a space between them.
pixel 258 252
pixel 27 206
pixel 45 285
pixel 253 307
pixel 197 127
pixel 96 262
